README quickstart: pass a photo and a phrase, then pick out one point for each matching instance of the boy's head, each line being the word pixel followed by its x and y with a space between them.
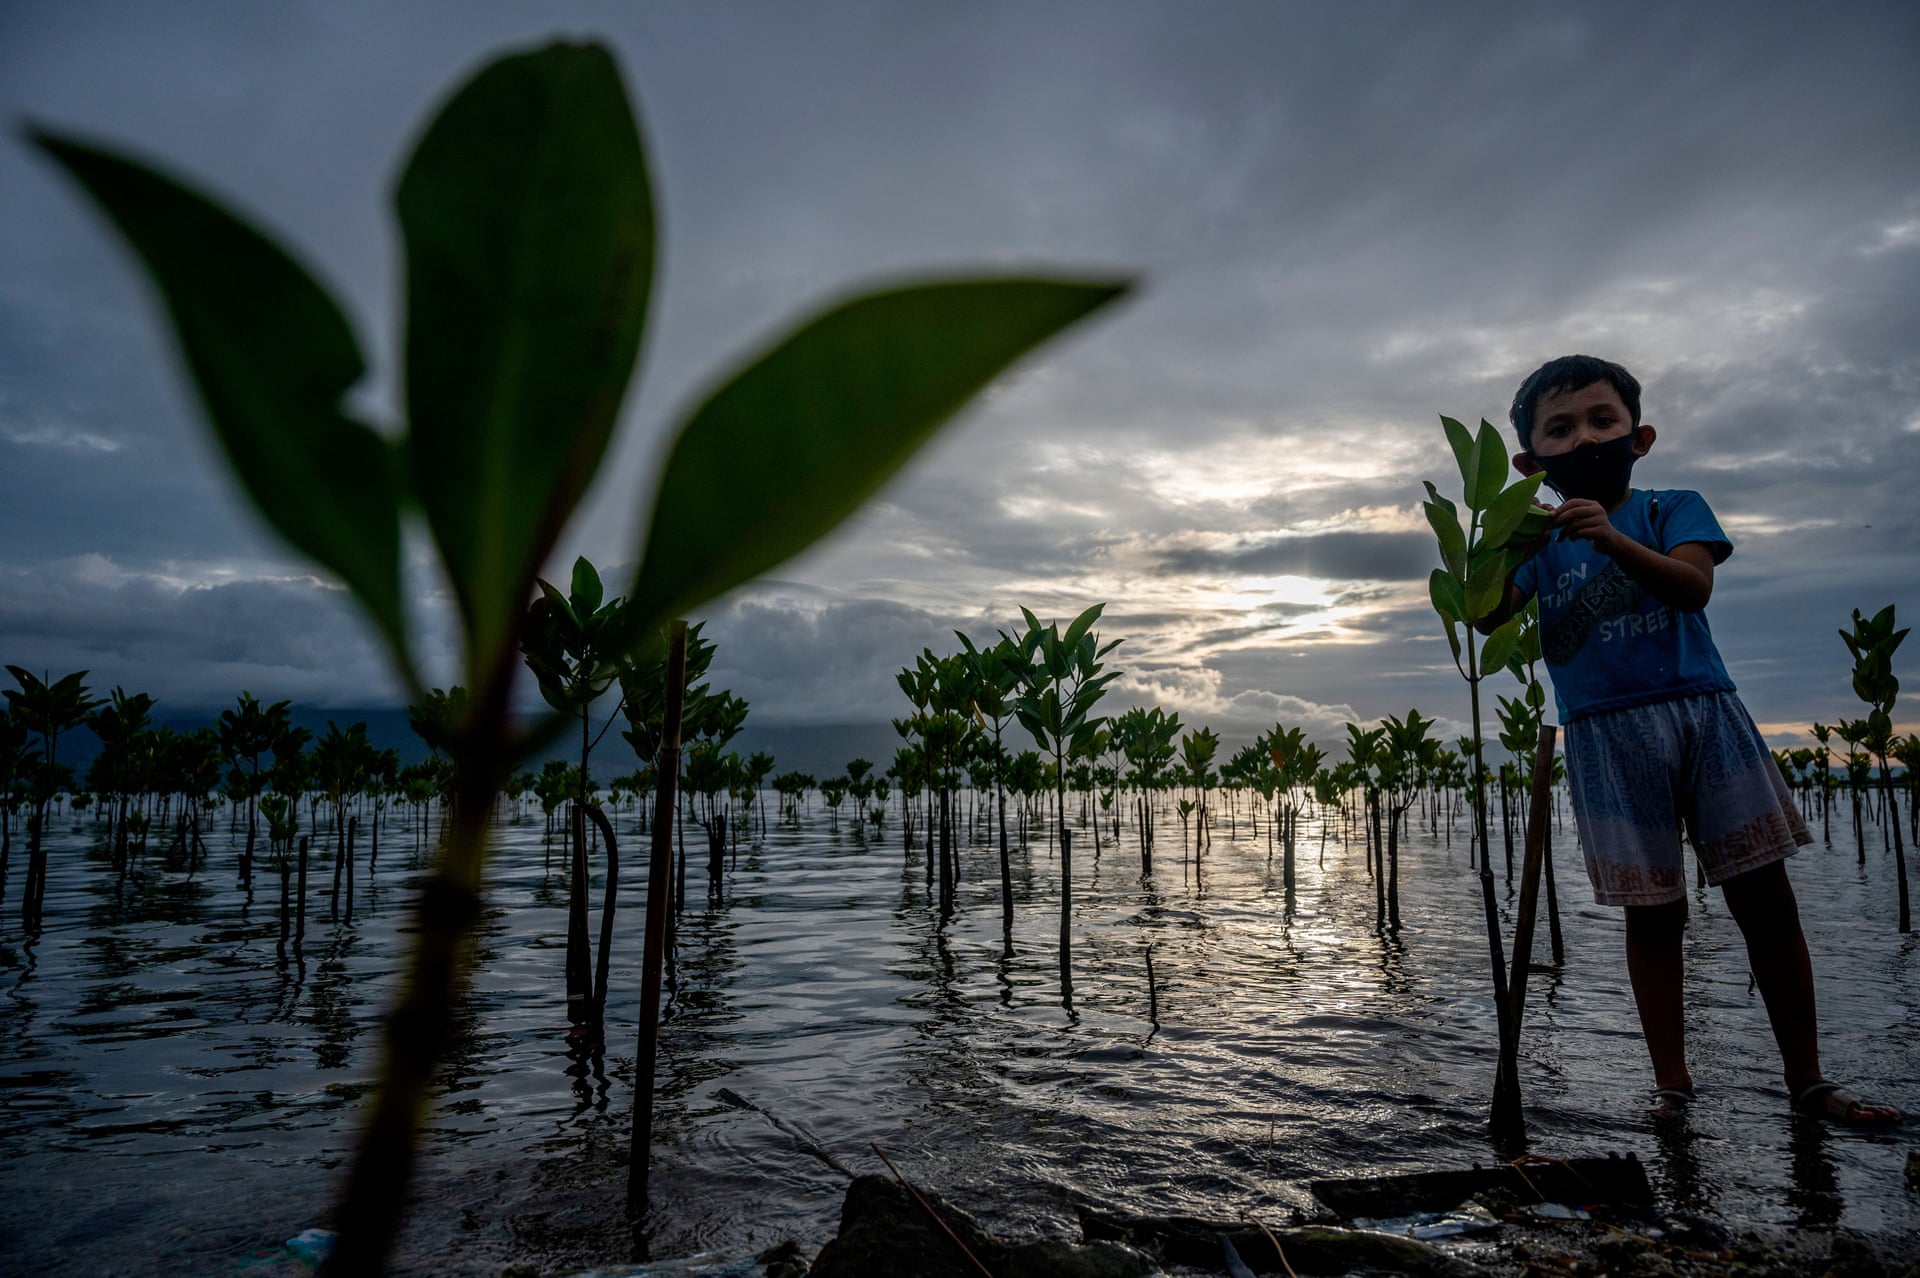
pixel 1578 419
pixel 1570 373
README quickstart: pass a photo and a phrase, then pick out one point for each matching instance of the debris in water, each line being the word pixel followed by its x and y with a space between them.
pixel 1426 1225
pixel 1557 1211
pixel 1586 1181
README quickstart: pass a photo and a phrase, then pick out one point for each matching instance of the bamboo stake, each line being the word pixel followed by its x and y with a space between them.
pixel 928 1208
pixel 659 868
pixel 599 818
pixel 1537 816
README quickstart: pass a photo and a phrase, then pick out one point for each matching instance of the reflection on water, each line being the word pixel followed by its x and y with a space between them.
pixel 175 1087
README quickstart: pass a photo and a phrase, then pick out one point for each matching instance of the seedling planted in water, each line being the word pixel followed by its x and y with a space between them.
pixel 1471 588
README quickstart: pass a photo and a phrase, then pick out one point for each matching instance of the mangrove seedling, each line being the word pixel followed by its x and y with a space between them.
pixel 46 708
pixel 569 643
pixel 1061 683
pixel 1872 642
pixel 995 672
pixel 1469 590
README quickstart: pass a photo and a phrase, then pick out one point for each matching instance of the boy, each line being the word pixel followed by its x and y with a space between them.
pixel 1654 732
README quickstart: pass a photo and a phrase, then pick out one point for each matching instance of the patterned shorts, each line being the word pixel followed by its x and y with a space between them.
pixel 1638 773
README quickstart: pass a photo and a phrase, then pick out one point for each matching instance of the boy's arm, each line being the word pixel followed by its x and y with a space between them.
pixel 1681 578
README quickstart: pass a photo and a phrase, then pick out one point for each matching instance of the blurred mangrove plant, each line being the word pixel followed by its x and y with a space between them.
pixel 526 214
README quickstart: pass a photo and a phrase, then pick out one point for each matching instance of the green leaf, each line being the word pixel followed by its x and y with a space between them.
pixel 1486 587
pixel 271 356
pixel 1453 540
pixel 1448 595
pixel 529 229
pixel 1507 510
pixel 799 438
pixel 1461 441
pixel 558 602
pixel 1533 525
pixel 1499 645
pixel 1081 625
pixel 587 591
pixel 1528 649
pixel 1453 636
pixel 1489 468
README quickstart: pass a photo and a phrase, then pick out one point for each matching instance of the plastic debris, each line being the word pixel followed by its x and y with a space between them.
pixel 1428 1225
pixel 1557 1211
pixel 706 1264
pixel 311 1244
pixel 297 1257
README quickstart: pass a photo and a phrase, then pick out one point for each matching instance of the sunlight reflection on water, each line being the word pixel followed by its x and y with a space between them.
pixel 172 1091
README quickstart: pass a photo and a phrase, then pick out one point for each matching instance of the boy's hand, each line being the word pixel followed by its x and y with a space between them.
pixel 1586 520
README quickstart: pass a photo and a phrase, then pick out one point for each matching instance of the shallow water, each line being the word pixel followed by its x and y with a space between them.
pixel 175 1098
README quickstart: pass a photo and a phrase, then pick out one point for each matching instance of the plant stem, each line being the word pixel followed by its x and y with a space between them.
pixel 1506 1117
pixel 659 872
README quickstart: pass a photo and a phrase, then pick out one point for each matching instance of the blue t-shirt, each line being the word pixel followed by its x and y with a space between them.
pixel 1608 643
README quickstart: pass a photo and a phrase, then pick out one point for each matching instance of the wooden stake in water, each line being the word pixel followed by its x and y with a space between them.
pixel 1506 1087
pixel 599 819
pixel 1153 993
pixel 659 872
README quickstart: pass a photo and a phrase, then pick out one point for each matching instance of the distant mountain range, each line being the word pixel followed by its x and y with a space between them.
pixel 821 750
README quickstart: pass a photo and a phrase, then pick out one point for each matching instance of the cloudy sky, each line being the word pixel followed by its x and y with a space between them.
pixel 1347 219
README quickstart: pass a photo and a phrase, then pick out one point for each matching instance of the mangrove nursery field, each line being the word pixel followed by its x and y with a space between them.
pixel 184 1074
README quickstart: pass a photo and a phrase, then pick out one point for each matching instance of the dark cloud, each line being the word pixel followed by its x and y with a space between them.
pixel 1346 221
pixel 798 658
pixel 1337 556
pixel 193 645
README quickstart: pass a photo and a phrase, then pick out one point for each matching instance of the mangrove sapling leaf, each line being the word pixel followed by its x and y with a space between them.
pixel 587 593
pixel 1461 441
pixel 1486 585
pixel 1501 644
pixel 1079 627
pixel 1510 510
pixel 1449 596
pixel 798 438
pixel 1446 527
pixel 271 356
pixel 1490 468
pixel 528 221
pixel 438 718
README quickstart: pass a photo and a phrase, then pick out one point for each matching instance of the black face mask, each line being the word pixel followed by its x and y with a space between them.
pixel 1597 472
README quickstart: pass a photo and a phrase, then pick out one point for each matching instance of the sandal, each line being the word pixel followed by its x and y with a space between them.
pixel 1837 1105
pixel 1670 1101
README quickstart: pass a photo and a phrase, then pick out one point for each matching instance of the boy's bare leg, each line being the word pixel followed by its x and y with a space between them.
pixel 1763 904
pixel 1653 967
